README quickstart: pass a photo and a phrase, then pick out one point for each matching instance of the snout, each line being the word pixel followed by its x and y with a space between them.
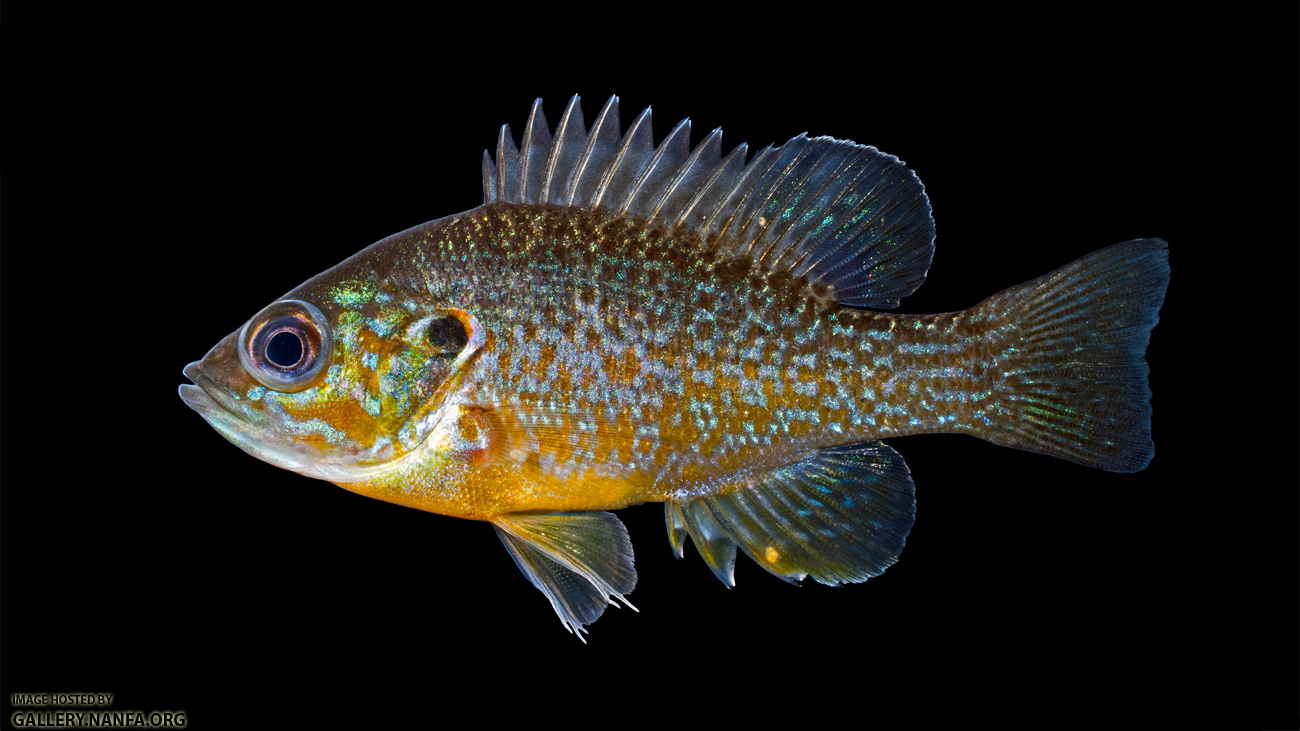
pixel 205 393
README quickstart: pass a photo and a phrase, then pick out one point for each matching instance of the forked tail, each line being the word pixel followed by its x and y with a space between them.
pixel 1069 376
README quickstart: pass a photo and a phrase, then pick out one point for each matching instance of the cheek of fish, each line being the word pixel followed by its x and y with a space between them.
pixel 622 323
pixel 365 392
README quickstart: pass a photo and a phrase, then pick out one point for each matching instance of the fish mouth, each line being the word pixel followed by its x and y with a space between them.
pixel 205 394
pixel 222 412
pixel 218 408
pixel 213 403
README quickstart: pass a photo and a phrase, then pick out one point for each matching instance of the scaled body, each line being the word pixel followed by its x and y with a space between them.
pixel 625 367
pixel 620 324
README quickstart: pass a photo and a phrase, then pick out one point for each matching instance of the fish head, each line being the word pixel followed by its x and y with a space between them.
pixel 336 382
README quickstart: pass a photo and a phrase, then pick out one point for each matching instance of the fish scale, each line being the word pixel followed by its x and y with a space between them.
pixel 621 323
pixel 677 398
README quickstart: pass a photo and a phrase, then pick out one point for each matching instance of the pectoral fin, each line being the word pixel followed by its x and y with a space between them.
pixel 841 516
pixel 579 560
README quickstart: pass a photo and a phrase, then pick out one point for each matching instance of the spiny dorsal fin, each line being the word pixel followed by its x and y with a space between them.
pixel 507 187
pixel 601 144
pixel 570 139
pixel 533 151
pixel 840 516
pixel 843 215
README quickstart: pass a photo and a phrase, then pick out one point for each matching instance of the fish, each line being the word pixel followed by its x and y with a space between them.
pixel 622 323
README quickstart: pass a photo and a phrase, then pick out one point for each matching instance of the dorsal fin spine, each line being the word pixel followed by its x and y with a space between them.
pixel 692 161
pixel 725 204
pixel 634 132
pixel 489 179
pixel 842 215
pixel 526 150
pixel 709 185
pixel 562 131
pixel 537 138
pixel 649 169
pixel 594 136
pixel 507 161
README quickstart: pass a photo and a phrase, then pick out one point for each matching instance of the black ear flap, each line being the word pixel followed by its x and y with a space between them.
pixel 448 335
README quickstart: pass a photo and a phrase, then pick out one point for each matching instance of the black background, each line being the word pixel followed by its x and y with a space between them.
pixel 191 181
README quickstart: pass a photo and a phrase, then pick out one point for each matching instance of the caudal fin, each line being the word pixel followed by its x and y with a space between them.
pixel 1070 378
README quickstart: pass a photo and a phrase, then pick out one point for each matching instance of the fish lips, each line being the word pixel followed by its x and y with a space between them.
pixel 215 405
pixel 240 427
pixel 221 411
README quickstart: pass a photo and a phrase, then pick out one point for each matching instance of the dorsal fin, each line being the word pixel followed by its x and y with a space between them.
pixel 841 214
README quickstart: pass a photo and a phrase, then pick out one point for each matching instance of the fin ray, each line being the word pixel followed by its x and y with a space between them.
pixel 732 199
pixel 533 151
pixel 581 561
pixel 575 600
pixel 625 169
pixel 676 527
pixel 701 207
pixel 602 143
pixel 569 138
pixel 700 163
pixel 843 215
pixel 662 167
pixel 507 163
pixel 1070 380
pixel 489 179
pixel 841 516
pixel 712 541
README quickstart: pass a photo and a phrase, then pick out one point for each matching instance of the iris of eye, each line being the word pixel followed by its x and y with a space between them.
pixel 284 350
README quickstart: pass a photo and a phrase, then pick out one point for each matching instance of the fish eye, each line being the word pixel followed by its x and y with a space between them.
pixel 285 349
pixel 287 346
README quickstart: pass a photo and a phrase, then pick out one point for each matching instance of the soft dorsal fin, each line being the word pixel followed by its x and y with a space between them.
pixel 843 215
pixel 841 516
pixel 581 561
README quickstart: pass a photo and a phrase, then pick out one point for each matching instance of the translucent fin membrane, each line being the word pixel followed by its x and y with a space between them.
pixel 840 517
pixel 581 561
pixel 1071 378
pixel 845 216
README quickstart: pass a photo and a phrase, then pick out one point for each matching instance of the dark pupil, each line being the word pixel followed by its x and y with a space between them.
pixel 448 334
pixel 284 350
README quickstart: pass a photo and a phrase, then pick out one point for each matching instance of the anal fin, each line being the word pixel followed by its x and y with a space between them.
pixel 581 561
pixel 712 541
pixel 841 516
